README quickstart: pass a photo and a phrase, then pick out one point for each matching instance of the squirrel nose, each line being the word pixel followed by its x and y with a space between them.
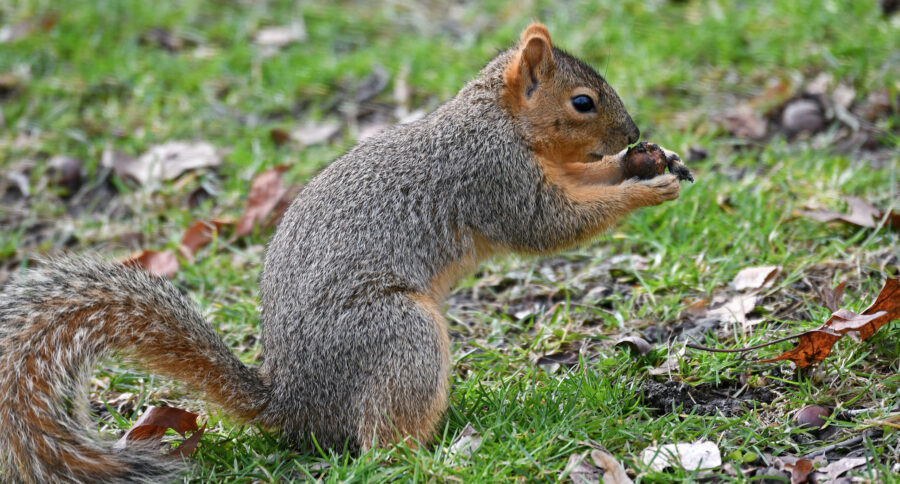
pixel 634 135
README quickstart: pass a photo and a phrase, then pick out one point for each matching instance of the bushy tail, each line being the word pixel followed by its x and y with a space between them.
pixel 55 323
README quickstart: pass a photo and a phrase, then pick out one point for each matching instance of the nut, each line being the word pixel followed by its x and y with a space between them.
pixel 644 160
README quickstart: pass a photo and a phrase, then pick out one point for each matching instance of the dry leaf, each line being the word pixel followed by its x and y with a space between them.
pixel 814 345
pixel 159 264
pixel 755 277
pixel 281 36
pixel 837 468
pixel 12 33
pixel 636 344
pixel 199 234
pixel 611 469
pixel 696 309
pixel 844 320
pixel 800 470
pixel 668 366
pixel 163 162
pixel 736 309
pixel 156 420
pixel 466 443
pixel 279 136
pixel 266 191
pixel 832 297
pixel 888 300
pixel 188 445
pixel 743 122
pixel 314 133
pixel 580 471
pixel 688 456
pixel 862 214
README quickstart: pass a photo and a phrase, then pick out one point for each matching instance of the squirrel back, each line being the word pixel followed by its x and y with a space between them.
pixel 528 157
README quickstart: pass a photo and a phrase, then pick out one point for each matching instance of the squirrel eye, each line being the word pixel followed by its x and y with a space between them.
pixel 583 104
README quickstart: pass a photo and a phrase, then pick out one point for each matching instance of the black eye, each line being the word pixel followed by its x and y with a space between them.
pixel 583 104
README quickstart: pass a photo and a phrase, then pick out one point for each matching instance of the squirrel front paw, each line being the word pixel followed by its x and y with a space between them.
pixel 657 190
pixel 676 166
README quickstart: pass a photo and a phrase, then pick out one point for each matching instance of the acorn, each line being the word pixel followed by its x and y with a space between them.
pixel 644 160
pixel 647 160
pixel 812 417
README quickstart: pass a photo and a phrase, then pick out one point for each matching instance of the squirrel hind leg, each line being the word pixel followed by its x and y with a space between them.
pixel 410 398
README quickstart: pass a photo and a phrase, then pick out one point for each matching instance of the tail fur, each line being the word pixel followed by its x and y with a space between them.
pixel 55 323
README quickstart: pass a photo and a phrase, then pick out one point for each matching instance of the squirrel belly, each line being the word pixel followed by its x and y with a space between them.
pixel 527 157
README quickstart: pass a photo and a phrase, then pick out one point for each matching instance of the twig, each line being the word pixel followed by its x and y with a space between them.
pixel 843 443
pixel 742 350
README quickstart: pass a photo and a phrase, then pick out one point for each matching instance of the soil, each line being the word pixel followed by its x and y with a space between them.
pixel 702 399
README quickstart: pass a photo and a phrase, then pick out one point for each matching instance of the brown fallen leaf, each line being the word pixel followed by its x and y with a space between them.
pixel 610 468
pixel 466 443
pixel 159 264
pixel 266 191
pixel 552 362
pixel 580 471
pixel 888 300
pixel 279 136
pixel 156 420
pixel 14 32
pixel 835 469
pixel 800 470
pixel 199 234
pixel 635 344
pixel 743 122
pixel 862 214
pixel 832 297
pixel 163 162
pixel 289 195
pixel 755 277
pixel 315 133
pixel 736 309
pixel 188 445
pixel 696 309
pixel 814 345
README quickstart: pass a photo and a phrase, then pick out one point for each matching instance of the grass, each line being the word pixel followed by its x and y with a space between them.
pixel 89 83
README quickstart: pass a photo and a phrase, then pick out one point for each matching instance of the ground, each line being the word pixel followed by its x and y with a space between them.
pixel 778 107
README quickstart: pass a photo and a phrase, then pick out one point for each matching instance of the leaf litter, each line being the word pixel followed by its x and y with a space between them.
pixel 815 345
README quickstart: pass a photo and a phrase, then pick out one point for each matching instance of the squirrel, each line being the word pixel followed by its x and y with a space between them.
pixel 527 157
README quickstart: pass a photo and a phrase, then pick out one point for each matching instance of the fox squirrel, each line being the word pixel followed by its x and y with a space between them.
pixel 527 157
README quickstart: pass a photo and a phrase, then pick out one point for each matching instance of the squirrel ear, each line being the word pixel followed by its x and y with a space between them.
pixel 534 59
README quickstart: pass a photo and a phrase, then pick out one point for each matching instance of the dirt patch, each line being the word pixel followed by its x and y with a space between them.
pixel 727 400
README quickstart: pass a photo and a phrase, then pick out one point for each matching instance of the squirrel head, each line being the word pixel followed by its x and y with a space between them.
pixel 565 110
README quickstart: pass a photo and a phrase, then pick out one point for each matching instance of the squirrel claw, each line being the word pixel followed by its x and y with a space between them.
pixel 677 167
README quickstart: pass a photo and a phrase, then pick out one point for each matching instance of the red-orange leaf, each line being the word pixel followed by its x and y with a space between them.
pixel 266 191
pixel 199 234
pixel 813 346
pixel 159 264
pixel 156 420
pixel 189 444
pixel 888 300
